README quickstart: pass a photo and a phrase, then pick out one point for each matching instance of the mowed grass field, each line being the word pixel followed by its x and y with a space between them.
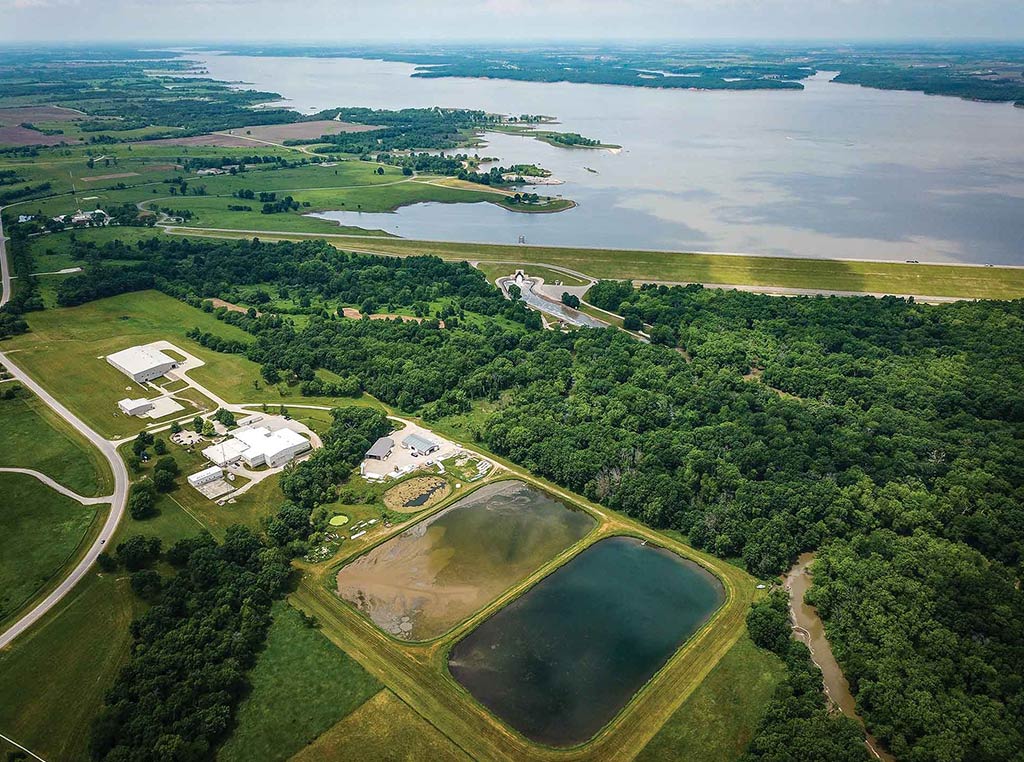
pixel 66 350
pixel 40 531
pixel 718 720
pixel 33 436
pixel 302 684
pixel 384 729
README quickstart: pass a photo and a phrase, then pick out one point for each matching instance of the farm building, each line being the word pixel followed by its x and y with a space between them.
pixel 142 364
pixel 137 407
pixel 258 446
pixel 207 475
pixel 419 444
pixel 381 449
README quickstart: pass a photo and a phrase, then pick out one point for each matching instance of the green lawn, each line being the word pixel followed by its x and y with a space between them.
pixel 81 337
pixel 719 718
pixel 33 436
pixel 384 729
pixel 52 678
pixel 40 532
pixel 825 274
pixel 302 684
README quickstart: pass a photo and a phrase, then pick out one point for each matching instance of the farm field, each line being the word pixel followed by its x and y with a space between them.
pixel 41 531
pixel 301 686
pixel 33 436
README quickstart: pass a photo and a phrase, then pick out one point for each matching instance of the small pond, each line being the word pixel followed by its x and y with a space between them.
pixel 558 663
pixel 433 575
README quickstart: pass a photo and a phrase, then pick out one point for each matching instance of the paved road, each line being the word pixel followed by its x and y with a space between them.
pixel 57 486
pixel 117 501
pixel 5 274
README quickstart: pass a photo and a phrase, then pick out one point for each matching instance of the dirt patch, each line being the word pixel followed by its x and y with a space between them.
pixel 354 314
pixel 243 137
pixel 19 136
pixel 19 114
pixel 416 494
pixel 117 176
pixel 229 306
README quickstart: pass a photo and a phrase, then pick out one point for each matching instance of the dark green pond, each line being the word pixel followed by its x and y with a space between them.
pixel 558 663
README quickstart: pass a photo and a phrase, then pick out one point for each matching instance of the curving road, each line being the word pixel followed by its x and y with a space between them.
pixel 57 486
pixel 117 500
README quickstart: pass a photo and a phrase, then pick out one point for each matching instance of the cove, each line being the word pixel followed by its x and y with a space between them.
pixel 561 661
pixel 433 575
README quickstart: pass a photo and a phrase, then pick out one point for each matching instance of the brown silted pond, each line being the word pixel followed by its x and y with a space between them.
pixel 433 575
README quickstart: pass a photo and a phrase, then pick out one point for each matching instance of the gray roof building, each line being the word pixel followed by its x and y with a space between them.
pixel 381 449
pixel 420 444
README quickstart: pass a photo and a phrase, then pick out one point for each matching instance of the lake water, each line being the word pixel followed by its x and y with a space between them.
pixel 831 171
pixel 433 575
pixel 558 663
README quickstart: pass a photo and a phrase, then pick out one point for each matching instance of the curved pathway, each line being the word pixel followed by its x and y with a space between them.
pixel 117 501
pixel 56 486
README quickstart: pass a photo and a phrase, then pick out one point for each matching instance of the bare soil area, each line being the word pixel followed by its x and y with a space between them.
pixel 117 176
pixel 19 114
pixel 423 490
pixel 270 133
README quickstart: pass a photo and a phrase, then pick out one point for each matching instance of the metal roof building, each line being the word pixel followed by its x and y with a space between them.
pixel 420 444
pixel 142 364
pixel 381 449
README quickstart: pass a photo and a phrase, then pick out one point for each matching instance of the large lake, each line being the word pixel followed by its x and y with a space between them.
pixel 559 662
pixel 831 171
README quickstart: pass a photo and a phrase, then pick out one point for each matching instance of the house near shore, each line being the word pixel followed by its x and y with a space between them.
pixel 420 445
pixel 142 364
pixel 381 449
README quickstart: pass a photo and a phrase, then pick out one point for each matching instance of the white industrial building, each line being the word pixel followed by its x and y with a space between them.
pixel 137 407
pixel 142 364
pixel 207 475
pixel 258 446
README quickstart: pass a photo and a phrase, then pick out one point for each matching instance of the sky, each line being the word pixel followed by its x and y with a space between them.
pixel 353 21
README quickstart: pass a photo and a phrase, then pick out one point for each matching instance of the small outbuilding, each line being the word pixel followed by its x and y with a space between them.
pixel 137 407
pixel 419 444
pixel 207 475
pixel 381 449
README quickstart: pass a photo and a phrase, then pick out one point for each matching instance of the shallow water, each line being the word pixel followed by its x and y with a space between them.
pixel 433 575
pixel 831 171
pixel 558 663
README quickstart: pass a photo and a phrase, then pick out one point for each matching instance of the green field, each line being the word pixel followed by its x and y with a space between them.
pixel 81 337
pixel 40 532
pixel 718 720
pixel 384 729
pixel 301 685
pixel 33 436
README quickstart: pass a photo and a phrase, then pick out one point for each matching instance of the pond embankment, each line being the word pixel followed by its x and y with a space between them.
pixel 809 628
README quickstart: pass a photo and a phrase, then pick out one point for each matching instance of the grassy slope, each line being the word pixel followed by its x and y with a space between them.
pixel 301 686
pixel 825 274
pixel 33 436
pixel 718 720
pixel 384 729
pixel 40 531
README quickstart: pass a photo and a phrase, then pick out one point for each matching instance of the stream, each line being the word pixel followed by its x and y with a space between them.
pixel 808 627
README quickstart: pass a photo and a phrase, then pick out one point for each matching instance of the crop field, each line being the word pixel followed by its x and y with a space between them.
pixel 41 531
pixel 33 436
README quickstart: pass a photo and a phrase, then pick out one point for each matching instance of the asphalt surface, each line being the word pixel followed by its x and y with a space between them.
pixel 57 486
pixel 117 500
pixel 5 274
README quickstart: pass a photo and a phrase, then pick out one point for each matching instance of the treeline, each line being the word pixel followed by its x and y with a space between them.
pixel 403 130
pixel 176 696
pixel 28 192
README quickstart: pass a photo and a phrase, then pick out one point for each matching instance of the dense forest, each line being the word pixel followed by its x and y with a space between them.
pixel 885 434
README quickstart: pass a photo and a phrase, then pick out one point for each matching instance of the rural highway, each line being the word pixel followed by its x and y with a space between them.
pixel 5 274
pixel 117 500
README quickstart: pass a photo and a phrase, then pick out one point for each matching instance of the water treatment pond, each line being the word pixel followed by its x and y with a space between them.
pixel 558 663
pixel 430 577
